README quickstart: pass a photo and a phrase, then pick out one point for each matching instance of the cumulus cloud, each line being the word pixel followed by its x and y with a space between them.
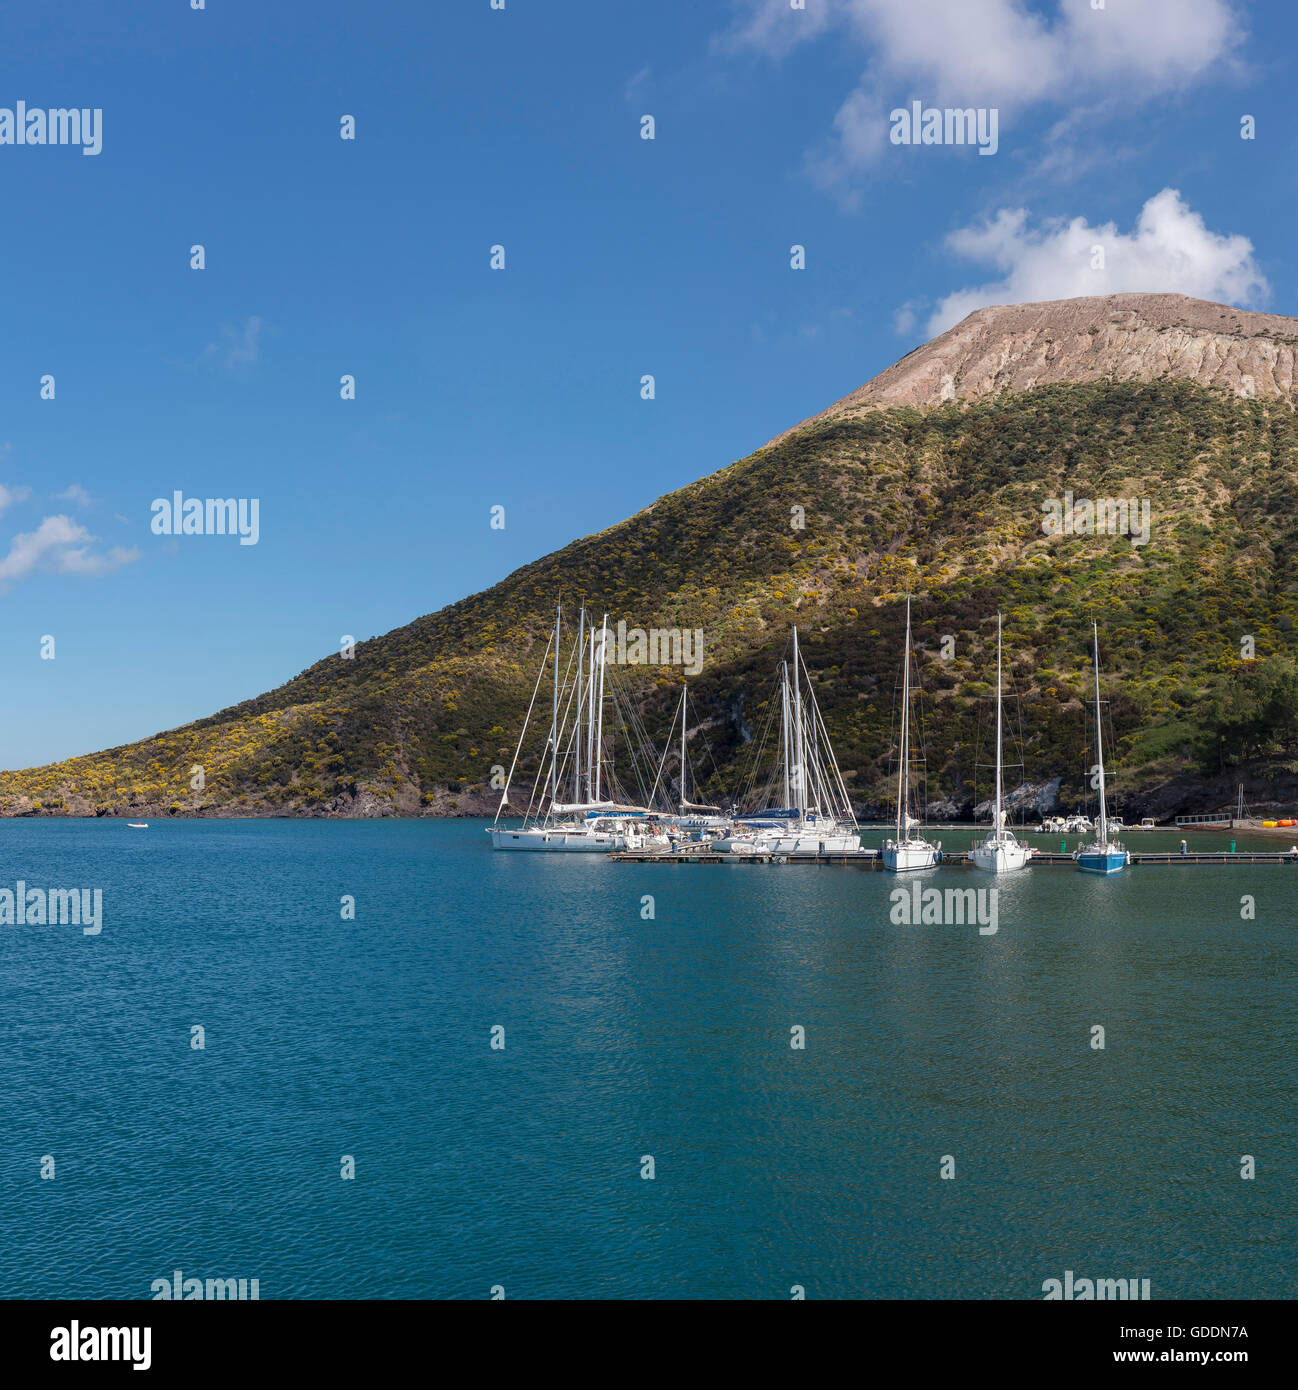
pixel 993 53
pixel 74 492
pixel 61 546
pixel 1169 249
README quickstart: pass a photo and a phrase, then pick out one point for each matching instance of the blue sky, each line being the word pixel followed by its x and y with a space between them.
pixel 521 388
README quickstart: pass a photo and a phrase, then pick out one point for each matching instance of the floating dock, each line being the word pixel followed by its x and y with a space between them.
pixel 955 859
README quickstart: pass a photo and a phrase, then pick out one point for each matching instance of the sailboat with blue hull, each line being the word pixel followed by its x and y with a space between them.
pixel 1102 855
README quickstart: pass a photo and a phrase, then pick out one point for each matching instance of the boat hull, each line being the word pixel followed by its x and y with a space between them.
pixel 1102 861
pixel 902 858
pixel 808 842
pixel 790 842
pixel 557 841
pixel 994 858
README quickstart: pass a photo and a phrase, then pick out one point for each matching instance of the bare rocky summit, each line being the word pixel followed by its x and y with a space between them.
pixel 1124 337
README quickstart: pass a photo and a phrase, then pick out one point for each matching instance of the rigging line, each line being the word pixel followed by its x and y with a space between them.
pixel 569 694
pixel 641 748
pixel 540 675
pixel 624 708
pixel 701 729
pixel 553 751
pixel 837 803
pixel 666 749
pixel 833 758
pixel 754 761
pixel 637 754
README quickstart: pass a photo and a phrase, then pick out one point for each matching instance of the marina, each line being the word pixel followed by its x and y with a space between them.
pixel 796 808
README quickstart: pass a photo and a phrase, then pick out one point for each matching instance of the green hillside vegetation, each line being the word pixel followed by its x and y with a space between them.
pixel 946 502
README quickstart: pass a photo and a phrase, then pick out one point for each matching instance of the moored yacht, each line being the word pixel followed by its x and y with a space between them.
pixel 693 820
pixel 592 822
pixel 907 850
pixel 1000 852
pixel 816 816
pixel 1103 855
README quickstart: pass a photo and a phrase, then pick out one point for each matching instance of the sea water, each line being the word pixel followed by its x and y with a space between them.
pixel 650 1127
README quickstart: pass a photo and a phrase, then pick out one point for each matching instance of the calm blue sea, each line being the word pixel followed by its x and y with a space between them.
pixel 624 1037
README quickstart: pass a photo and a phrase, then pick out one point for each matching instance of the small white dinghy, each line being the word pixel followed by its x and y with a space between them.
pixel 137 824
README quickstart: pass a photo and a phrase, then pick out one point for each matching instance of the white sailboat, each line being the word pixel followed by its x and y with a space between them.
pixel 691 816
pixel 1102 855
pixel 1000 852
pixel 590 823
pixel 816 816
pixel 907 850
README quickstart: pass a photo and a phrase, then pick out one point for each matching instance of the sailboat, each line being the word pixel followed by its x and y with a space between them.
pixel 816 816
pixel 1000 852
pixel 690 815
pixel 1102 855
pixel 907 851
pixel 589 823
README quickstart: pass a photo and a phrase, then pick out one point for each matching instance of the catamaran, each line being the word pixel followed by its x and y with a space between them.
pixel 1000 852
pixel 907 850
pixel 591 823
pixel 816 815
pixel 1102 855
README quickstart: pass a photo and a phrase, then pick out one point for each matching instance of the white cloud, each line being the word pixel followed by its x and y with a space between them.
pixel 10 495
pixel 239 347
pixel 907 316
pixel 62 546
pixel 636 85
pixel 1169 249
pixel 773 27
pixel 991 53
pixel 75 493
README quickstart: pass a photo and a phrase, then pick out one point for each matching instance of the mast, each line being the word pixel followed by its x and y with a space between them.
pixel 797 734
pixel 599 723
pixel 591 719
pixel 554 715
pixel 784 726
pixel 903 774
pixel 683 791
pixel 576 723
pixel 1099 750
pixel 998 726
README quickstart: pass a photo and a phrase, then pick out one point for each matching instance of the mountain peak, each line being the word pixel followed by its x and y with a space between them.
pixel 1141 337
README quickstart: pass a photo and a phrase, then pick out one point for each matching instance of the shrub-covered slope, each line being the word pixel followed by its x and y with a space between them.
pixel 945 501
